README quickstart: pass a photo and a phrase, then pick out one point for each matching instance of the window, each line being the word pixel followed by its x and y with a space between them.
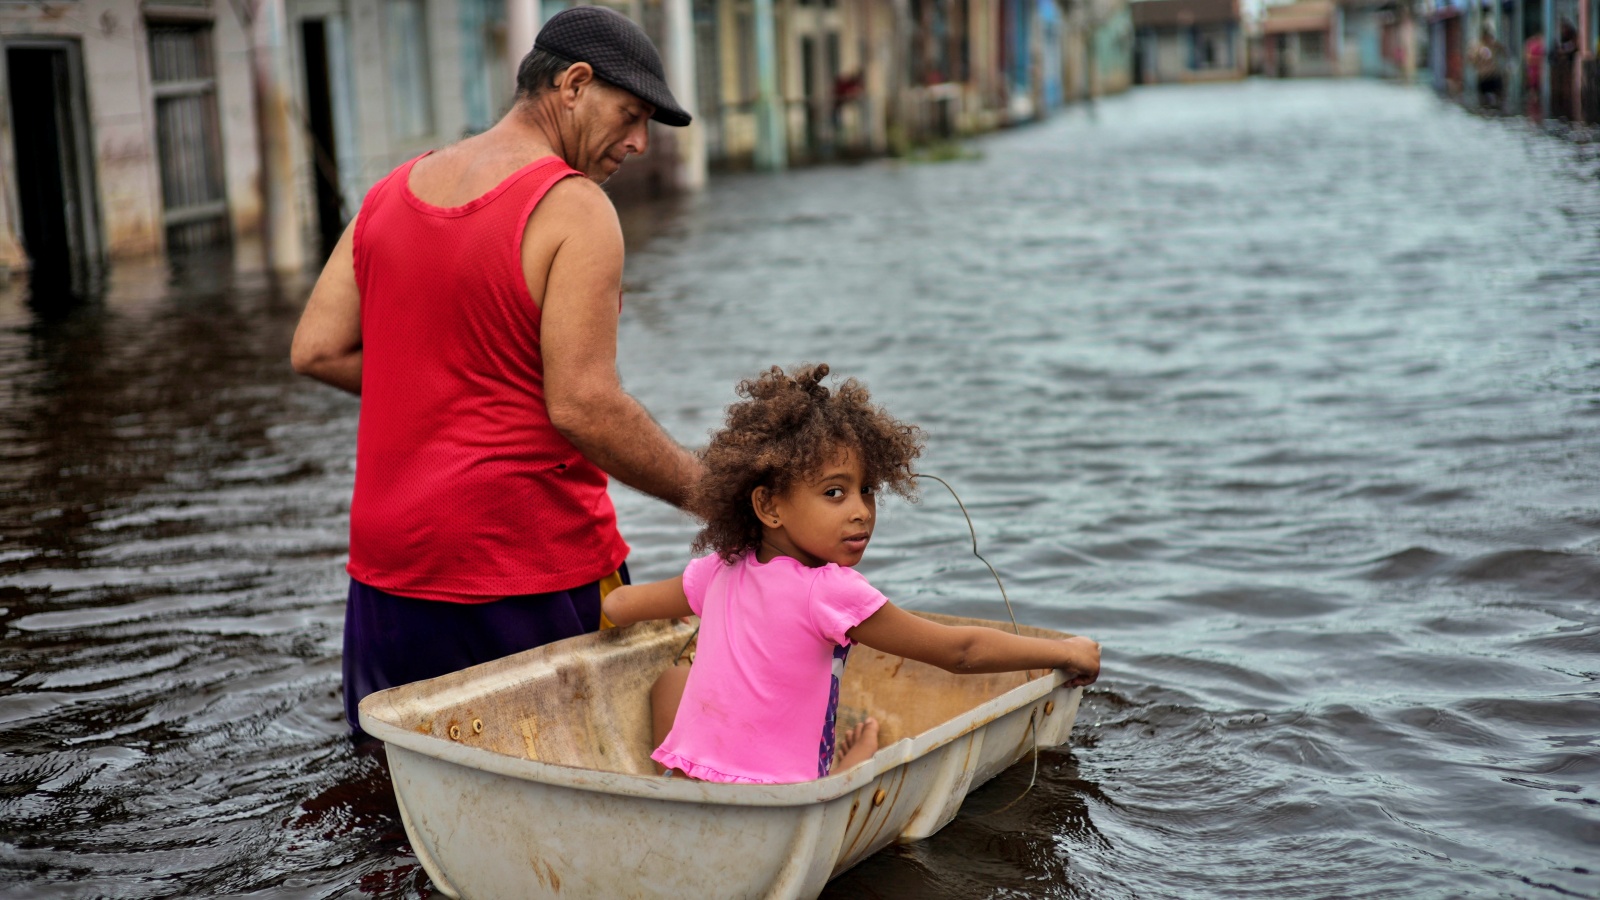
pixel 188 136
pixel 410 104
pixel 1311 45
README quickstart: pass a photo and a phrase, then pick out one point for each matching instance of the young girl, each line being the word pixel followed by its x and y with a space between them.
pixel 789 500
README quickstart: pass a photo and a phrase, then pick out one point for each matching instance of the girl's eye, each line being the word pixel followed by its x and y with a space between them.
pixel 833 492
pixel 868 490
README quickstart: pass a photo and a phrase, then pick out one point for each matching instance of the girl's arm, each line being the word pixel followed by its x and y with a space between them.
pixel 972 649
pixel 638 602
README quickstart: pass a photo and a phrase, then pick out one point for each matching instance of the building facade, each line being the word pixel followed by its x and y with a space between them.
pixel 1188 40
pixel 136 127
pixel 1301 39
pixel 865 77
pixel 126 128
pixel 1546 63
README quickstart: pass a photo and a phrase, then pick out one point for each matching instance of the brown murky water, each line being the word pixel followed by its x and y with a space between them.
pixel 1288 393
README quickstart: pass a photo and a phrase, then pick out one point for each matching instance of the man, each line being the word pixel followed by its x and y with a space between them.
pixel 1487 56
pixel 473 306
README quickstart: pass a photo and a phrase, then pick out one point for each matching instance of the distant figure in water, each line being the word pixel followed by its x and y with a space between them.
pixel 789 502
pixel 1487 58
pixel 1533 76
pixel 1563 56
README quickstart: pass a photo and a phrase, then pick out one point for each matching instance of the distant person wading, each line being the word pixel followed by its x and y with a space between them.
pixel 473 305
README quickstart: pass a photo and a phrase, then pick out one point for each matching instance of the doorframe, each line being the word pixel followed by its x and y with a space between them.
pixel 83 139
pixel 336 17
pixel 320 155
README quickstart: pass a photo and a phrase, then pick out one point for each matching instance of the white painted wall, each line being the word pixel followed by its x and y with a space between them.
pixel 241 158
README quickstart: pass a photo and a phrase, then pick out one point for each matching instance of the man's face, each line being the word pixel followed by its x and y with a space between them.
pixel 611 124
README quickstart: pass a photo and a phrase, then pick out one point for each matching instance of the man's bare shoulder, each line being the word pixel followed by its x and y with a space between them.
pixel 576 205
pixel 575 222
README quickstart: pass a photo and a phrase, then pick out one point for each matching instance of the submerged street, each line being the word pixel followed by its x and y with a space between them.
pixel 1286 392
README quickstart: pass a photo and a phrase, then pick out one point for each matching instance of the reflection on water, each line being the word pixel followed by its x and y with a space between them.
pixel 1288 393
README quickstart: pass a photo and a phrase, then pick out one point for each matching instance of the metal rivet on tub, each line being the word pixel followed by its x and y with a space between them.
pixel 1049 707
pixel 477 726
pixel 877 797
pixel 455 732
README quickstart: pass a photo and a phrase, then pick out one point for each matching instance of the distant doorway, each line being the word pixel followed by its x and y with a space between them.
pixel 54 166
pixel 319 115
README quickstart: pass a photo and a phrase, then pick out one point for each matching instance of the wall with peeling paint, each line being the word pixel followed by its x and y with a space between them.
pixel 121 113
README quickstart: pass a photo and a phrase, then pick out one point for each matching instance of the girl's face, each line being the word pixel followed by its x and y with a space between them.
pixel 827 518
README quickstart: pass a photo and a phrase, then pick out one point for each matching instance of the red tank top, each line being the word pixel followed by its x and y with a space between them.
pixel 464 489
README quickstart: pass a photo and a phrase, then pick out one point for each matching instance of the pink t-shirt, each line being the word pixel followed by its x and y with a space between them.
pixel 759 706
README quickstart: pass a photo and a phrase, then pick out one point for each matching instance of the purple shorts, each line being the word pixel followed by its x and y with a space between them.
pixel 391 640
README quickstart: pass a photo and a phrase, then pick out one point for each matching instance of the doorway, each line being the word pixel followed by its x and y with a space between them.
pixel 53 165
pixel 319 115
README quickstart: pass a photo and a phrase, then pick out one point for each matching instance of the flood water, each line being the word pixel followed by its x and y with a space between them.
pixel 1289 393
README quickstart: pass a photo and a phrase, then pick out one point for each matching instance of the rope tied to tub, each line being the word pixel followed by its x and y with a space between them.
pixel 1033 716
pixel 971 529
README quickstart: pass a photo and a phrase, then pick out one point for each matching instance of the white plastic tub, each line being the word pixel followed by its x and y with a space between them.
pixel 530 776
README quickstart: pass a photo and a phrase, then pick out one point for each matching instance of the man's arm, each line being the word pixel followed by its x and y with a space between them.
pixel 578 338
pixel 327 342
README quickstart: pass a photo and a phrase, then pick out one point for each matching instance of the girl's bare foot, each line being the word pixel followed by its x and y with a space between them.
pixel 857 745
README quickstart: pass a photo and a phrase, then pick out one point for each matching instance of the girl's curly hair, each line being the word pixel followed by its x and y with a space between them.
pixel 786 430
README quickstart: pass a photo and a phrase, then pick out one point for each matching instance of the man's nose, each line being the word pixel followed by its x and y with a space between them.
pixel 639 140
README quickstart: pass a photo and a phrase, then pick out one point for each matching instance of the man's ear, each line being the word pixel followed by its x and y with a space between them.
pixel 762 501
pixel 577 75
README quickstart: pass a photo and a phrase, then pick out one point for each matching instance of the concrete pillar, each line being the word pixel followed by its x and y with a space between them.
pixel 241 145
pixel 1469 41
pixel 1585 53
pixel 1513 42
pixel 1550 37
pixel 522 26
pixel 282 233
pixel 122 121
pixel 772 141
pixel 12 259
pixel 1091 64
pixel 819 93
pixel 1336 39
pixel 1408 44
pixel 690 174
pixel 346 127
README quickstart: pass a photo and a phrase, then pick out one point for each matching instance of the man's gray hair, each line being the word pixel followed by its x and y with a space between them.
pixel 538 72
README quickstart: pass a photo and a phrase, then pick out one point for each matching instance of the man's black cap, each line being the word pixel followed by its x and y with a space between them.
pixel 619 51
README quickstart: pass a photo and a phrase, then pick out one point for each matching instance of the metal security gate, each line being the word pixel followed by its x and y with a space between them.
pixel 183 78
